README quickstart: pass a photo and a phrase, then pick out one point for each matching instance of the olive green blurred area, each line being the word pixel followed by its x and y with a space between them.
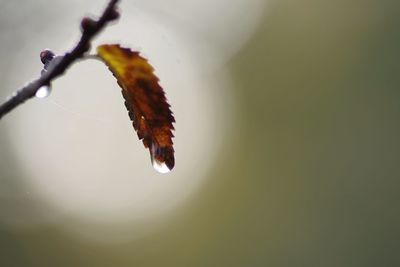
pixel 309 173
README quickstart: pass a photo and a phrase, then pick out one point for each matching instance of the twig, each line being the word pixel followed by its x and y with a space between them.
pixel 90 28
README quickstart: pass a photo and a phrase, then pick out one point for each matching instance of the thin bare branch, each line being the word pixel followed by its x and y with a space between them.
pixel 90 28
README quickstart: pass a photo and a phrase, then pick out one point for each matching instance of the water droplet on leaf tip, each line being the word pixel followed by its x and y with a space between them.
pixel 161 167
pixel 43 92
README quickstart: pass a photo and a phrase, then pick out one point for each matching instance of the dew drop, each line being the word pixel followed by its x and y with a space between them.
pixel 43 92
pixel 161 167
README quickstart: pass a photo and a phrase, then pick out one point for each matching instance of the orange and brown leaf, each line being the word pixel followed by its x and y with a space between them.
pixel 145 100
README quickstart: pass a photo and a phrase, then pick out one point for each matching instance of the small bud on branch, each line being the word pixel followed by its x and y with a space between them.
pixel 46 56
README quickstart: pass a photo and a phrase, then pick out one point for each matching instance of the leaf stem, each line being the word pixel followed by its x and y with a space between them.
pixel 92 56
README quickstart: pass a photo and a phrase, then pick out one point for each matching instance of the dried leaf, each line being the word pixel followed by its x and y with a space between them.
pixel 145 101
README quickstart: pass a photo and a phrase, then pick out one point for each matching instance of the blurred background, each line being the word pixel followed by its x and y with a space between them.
pixel 287 137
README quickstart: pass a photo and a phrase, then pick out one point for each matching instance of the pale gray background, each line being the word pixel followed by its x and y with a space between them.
pixel 296 161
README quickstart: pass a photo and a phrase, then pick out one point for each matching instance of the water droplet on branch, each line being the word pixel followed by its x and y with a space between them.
pixel 43 91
